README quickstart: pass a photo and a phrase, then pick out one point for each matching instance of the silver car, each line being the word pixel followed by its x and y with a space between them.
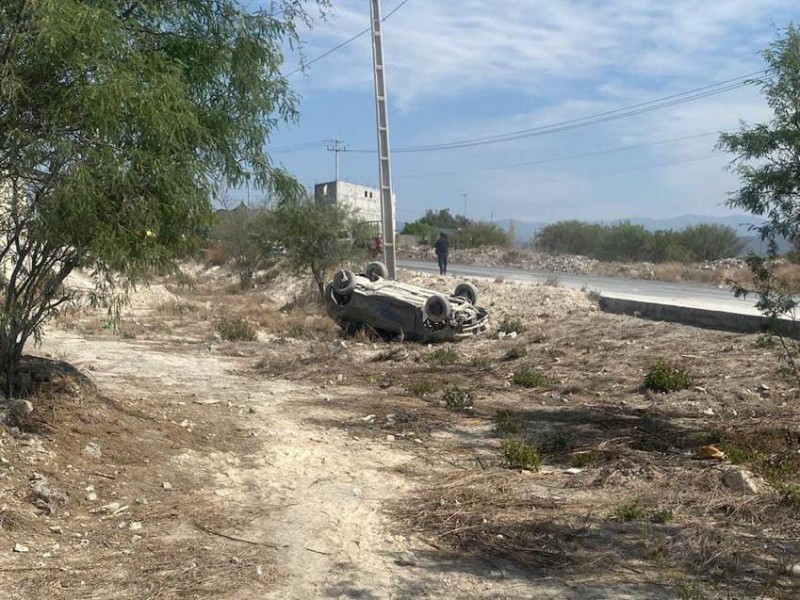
pixel 391 308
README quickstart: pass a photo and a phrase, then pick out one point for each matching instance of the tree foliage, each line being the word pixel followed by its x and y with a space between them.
pixel 116 117
pixel 317 238
pixel 463 232
pixel 628 242
pixel 766 156
pixel 245 236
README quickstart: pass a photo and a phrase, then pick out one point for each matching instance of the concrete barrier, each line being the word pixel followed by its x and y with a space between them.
pixel 698 317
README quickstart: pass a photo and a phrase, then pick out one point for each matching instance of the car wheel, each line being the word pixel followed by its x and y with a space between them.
pixel 437 308
pixel 344 282
pixel 376 270
pixel 468 292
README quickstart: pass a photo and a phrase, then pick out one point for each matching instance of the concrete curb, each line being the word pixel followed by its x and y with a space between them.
pixel 697 317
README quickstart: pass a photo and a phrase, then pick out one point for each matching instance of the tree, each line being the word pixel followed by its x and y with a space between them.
pixel 707 241
pixel 317 237
pixel 479 233
pixel 767 155
pixel 426 232
pixel 244 234
pixel 116 119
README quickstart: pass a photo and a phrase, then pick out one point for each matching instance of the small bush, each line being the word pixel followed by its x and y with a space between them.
pixel 506 422
pixel 515 353
pixel 691 590
pixel 178 308
pixel 766 341
pixel 443 356
pixel 528 378
pixel 393 354
pixel 583 459
pixel 421 388
pixel 664 378
pixel 790 494
pixel 511 326
pixel 519 454
pixel 484 363
pixel 660 515
pixel 235 329
pixel 632 511
pixel 553 443
pixel 459 399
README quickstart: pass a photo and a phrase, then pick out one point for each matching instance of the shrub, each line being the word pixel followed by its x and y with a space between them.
pixel 585 458
pixel 235 329
pixel 664 378
pixel 421 387
pixel 511 326
pixel 459 399
pixel 552 443
pixel 528 378
pixel 519 454
pixel 515 353
pixel 632 511
pixel 443 356
pixel 506 422
pixel 484 363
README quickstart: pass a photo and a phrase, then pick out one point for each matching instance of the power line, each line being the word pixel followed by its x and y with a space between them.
pixel 344 43
pixel 705 91
pixel 295 147
pixel 570 157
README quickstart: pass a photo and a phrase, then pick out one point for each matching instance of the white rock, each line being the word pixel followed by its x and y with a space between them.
pixel 92 450
pixel 135 526
pixel 21 548
pixel 91 496
pixel 573 471
pixel 166 485
pixel 407 559
pixel 740 481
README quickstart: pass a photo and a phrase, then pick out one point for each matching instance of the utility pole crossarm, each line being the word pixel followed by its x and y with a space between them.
pixel 335 146
pixel 382 119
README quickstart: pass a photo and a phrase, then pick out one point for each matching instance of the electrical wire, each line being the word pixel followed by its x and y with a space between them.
pixel 344 43
pixel 705 91
pixel 546 161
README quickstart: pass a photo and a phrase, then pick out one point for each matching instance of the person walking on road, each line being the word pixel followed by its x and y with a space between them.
pixel 442 248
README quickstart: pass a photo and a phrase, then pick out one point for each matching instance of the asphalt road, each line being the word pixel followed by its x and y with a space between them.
pixel 675 294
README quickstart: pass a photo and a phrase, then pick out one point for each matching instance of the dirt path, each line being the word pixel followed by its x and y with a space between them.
pixel 315 493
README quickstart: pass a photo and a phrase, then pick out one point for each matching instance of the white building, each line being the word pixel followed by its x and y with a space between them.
pixel 364 201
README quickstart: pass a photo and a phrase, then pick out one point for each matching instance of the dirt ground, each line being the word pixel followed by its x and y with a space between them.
pixel 163 462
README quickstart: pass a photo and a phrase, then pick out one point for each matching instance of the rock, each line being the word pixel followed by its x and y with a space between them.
pixel 166 485
pixel 136 538
pixel 135 526
pixel 221 492
pixel 407 559
pixel 573 471
pixel 56 529
pixel 762 387
pixel 21 548
pixel 91 496
pixel 390 438
pixel 709 412
pixel 740 481
pixel 92 450
pixel 368 418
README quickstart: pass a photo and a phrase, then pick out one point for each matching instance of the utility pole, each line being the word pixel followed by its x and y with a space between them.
pixel 382 121
pixel 335 146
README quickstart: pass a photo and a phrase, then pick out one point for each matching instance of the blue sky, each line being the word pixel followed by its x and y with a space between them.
pixel 466 69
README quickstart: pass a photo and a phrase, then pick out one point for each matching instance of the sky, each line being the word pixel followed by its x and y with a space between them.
pixel 460 70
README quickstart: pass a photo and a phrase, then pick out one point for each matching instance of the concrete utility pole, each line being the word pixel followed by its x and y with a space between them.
pixel 382 119
pixel 335 146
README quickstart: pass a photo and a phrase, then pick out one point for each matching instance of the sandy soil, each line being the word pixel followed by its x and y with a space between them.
pixel 305 466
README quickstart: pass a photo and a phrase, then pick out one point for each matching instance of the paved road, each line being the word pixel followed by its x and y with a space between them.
pixel 631 289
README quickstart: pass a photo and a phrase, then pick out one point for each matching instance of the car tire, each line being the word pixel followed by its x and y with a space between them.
pixel 344 282
pixel 437 308
pixel 468 292
pixel 376 270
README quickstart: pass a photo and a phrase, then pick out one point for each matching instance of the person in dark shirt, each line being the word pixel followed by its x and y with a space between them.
pixel 442 247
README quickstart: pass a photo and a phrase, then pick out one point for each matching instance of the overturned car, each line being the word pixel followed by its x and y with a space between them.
pixel 391 308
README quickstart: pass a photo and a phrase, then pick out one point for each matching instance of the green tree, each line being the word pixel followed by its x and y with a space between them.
pixel 766 156
pixel 426 232
pixel 479 233
pixel 245 234
pixel 116 119
pixel 317 238
pixel 707 241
